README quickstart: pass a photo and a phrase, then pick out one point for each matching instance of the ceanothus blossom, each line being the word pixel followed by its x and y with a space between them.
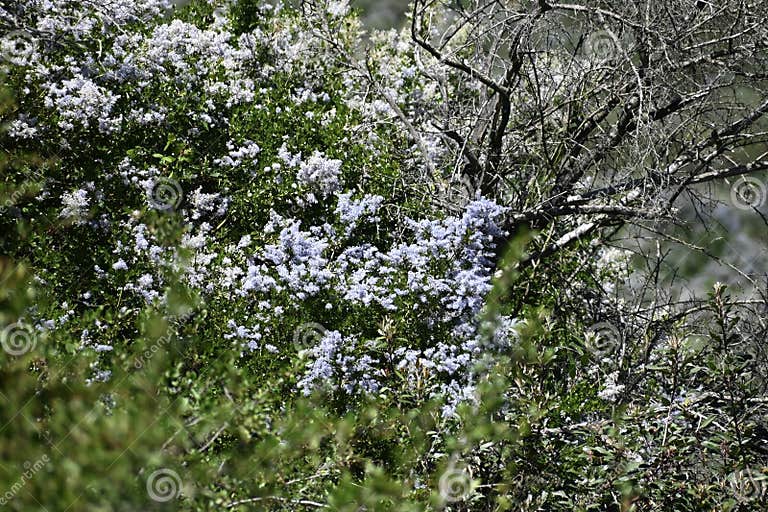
pixel 298 259
pixel 442 275
pixel 237 155
pixel 23 128
pixel 75 205
pixel 80 101
pixel 186 50
pixel 611 388
pixel 338 8
pixel 350 211
pixel 320 173
pixel 334 364
pixel 240 332
pixel 207 205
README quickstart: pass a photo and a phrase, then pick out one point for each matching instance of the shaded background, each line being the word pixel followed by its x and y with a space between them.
pixel 382 14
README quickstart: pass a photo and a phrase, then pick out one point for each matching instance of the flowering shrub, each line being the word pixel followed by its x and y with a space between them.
pixel 317 247
pixel 221 283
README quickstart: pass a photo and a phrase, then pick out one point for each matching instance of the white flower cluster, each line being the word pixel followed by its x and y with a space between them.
pixel 407 278
pixel 80 101
pixel 75 205
pixel 320 173
pixel 237 156
pixel 611 388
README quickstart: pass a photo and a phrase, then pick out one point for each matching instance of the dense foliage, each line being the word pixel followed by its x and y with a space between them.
pixel 225 286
